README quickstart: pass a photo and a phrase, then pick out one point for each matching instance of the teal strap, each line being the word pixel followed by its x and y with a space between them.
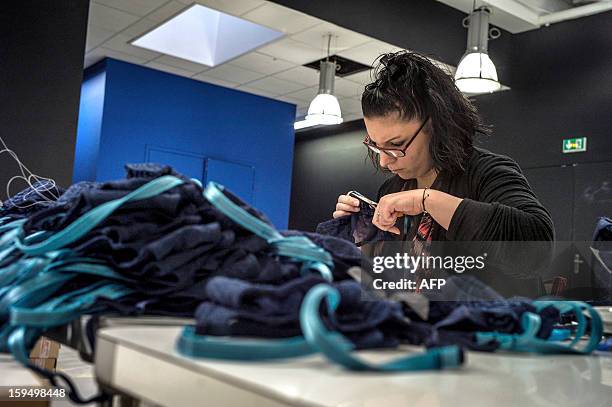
pixel 91 219
pixel 319 267
pixel 63 309
pixel 204 346
pixel 338 349
pixel 10 273
pixel 21 270
pixel 20 340
pixel 298 248
pixel 580 308
pixel 5 333
pixel 531 323
pixel 8 237
pixel 10 225
pixel 7 243
pixel 316 338
pixel 94 269
pixel 302 248
pixel 33 291
pixel 559 335
pixel 214 194
pixel 566 307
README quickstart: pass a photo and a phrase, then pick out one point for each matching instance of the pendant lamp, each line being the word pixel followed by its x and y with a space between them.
pixel 476 72
pixel 324 108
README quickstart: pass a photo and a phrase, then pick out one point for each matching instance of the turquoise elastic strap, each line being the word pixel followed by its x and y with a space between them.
pixel 91 219
pixel 95 269
pixel 214 194
pixel 579 308
pixel 527 341
pixel 63 309
pixel 298 248
pixel 20 271
pixel 338 349
pixel 19 340
pixel 33 291
pixel 318 267
pixel 11 225
pixel 559 335
pixel 204 346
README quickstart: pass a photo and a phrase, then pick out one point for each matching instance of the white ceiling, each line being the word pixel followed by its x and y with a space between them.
pixel 517 16
pixel 273 70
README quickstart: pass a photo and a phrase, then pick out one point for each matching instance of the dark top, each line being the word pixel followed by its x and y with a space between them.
pixel 498 204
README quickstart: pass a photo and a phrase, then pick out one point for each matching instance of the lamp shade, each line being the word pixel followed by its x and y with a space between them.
pixel 324 109
pixel 476 73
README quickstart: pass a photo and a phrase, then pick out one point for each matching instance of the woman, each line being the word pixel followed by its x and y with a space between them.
pixel 421 128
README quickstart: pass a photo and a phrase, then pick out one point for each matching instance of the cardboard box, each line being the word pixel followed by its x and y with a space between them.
pixel 45 348
pixel 44 363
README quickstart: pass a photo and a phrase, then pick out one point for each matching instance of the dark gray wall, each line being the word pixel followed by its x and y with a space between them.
pixel 42 44
pixel 326 166
pixel 561 87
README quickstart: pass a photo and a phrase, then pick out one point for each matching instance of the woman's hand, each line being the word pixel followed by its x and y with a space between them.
pixel 393 206
pixel 346 205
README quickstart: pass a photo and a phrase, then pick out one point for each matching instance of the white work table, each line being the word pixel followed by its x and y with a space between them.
pixel 142 363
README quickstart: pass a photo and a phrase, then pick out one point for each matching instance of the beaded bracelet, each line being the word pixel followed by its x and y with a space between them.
pixel 424 197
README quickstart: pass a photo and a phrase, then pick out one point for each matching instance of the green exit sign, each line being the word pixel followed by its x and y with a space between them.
pixel 574 145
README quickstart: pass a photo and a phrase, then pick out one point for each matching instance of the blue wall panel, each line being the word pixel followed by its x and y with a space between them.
pixel 191 165
pixel 238 178
pixel 147 110
pixel 89 127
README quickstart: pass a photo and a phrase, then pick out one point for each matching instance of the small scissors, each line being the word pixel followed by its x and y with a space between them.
pixel 362 198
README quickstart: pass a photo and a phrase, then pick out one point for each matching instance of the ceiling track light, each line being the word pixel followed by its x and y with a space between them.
pixel 324 108
pixel 476 73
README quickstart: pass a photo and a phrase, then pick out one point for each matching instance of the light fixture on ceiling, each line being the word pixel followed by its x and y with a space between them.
pixel 476 72
pixel 206 36
pixel 324 108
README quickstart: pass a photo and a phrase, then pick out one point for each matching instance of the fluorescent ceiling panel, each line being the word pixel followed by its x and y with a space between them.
pixel 206 36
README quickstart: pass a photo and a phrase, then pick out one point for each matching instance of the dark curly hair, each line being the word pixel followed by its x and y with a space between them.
pixel 410 85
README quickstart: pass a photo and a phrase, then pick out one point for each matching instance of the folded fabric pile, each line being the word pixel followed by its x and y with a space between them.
pixel 157 243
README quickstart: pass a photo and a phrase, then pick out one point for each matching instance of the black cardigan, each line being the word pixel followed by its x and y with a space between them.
pixel 498 205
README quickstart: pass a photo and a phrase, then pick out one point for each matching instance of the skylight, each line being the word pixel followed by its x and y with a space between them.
pixel 206 36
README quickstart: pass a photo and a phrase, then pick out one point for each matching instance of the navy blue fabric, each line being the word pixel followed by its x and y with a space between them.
pixel 40 195
pixel 603 230
pixel 180 253
pixel 356 228
pixel 345 254
pixel 465 304
pixel 602 280
pixel 171 244
pixel 238 308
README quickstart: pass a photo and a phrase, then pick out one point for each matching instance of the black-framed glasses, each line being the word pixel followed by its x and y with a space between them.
pixel 393 152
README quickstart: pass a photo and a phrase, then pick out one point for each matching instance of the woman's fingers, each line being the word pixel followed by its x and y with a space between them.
pixel 349 200
pixel 387 216
pixel 346 205
pixel 385 222
pixel 338 214
pixel 347 208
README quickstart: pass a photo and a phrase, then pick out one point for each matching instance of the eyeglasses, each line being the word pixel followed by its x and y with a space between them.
pixel 393 152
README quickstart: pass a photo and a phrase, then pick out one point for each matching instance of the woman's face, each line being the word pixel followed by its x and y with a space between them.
pixel 392 132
